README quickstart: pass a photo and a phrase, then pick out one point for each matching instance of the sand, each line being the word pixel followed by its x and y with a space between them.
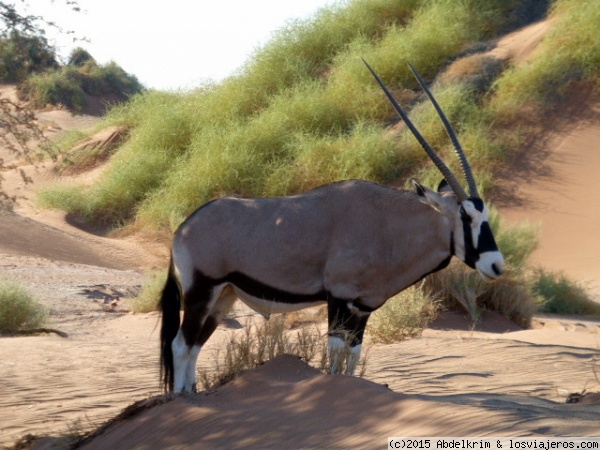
pixel 495 380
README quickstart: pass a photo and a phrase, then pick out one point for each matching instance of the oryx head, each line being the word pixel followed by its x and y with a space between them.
pixel 474 241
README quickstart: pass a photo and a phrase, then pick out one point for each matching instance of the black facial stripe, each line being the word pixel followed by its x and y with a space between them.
pixel 471 253
pixel 486 243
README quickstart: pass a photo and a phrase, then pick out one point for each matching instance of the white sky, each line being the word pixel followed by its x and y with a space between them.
pixel 174 44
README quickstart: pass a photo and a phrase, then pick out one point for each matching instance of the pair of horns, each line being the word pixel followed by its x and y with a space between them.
pixel 444 169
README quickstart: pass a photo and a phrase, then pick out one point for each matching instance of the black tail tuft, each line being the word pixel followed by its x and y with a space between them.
pixel 170 305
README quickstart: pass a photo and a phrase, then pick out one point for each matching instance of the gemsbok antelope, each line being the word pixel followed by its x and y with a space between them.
pixel 353 244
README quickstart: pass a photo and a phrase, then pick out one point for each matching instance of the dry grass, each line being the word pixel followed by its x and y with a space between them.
pixel 257 344
pixel 557 294
pixel 459 287
pixel 402 317
pixel 148 298
pixel 19 310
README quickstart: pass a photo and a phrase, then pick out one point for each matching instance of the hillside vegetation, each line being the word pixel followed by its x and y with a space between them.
pixel 304 111
pixel 71 85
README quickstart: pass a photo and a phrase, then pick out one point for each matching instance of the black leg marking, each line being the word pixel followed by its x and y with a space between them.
pixel 195 303
pixel 347 320
pixel 209 327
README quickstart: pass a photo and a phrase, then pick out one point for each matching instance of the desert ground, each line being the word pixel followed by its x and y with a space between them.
pixel 494 379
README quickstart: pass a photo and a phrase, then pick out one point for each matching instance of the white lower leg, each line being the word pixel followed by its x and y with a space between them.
pixel 181 357
pixel 353 358
pixel 184 364
pixel 190 372
pixel 337 353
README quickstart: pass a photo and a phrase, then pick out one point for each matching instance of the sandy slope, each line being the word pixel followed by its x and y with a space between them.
pixel 564 193
pixel 286 404
pixel 450 382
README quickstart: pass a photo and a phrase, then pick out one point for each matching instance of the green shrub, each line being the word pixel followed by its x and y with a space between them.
pixel 19 311
pixel 22 55
pixel 402 317
pixel 148 298
pixel 79 57
pixel 53 88
pixel 69 85
pixel 560 295
pixel 303 111
pixel 570 51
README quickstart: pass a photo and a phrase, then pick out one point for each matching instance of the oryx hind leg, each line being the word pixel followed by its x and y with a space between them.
pixel 205 306
pixel 347 323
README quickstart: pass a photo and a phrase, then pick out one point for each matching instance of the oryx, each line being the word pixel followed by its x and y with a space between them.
pixel 352 244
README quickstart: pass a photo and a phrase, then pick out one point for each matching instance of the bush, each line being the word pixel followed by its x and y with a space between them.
pixel 257 344
pixel 559 295
pixel 460 288
pixel 53 88
pixel 570 51
pixel 149 297
pixel 69 85
pixel 22 55
pixel 80 57
pixel 402 317
pixel 19 311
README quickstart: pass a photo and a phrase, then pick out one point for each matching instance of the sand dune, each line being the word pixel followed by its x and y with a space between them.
pixel 287 404
pixel 562 199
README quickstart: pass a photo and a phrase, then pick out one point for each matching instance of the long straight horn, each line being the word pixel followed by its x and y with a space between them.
pixel 466 167
pixel 444 169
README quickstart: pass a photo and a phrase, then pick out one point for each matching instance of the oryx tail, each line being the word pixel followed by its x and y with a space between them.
pixel 170 304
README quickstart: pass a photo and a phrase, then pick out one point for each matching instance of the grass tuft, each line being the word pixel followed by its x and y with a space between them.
pixel 149 297
pixel 402 317
pixel 560 295
pixel 257 344
pixel 19 310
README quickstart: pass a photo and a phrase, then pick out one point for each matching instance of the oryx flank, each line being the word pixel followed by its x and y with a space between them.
pixel 352 244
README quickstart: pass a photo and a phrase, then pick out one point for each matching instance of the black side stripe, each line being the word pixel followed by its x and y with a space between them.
pixel 260 290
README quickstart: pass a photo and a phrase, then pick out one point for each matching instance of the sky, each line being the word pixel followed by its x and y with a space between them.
pixel 173 44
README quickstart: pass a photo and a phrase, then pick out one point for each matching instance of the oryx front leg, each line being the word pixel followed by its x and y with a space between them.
pixel 347 324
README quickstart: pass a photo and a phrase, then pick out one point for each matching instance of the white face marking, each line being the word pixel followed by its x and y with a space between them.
pixel 490 264
pixel 477 218
pixel 487 262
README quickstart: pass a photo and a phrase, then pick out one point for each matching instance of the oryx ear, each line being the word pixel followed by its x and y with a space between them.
pixel 444 186
pixel 428 196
